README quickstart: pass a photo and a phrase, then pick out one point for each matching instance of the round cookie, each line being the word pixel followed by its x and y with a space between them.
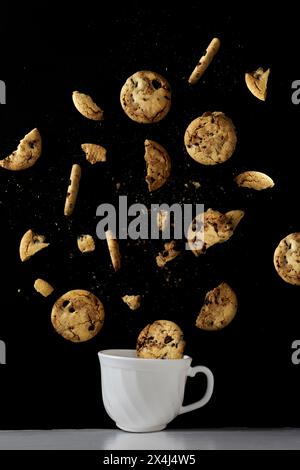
pixel 287 258
pixel 210 139
pixel 146 97
pixel 78 315
pixel 162 339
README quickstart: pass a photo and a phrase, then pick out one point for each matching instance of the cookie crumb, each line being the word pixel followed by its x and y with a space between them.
pixel 43 287
pixel 86 243
pixel 133 301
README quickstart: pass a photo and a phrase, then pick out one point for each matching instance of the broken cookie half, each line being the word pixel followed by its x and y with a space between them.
pixel 27 153
pixel 212 227
pixel 30 244
pixel 219 308
pixel 158 164
pixel 257 82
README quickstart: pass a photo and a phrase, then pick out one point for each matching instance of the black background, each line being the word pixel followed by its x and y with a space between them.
pixel 47 53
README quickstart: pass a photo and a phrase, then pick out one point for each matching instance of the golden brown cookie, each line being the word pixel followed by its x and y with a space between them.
pixel 162 339
pixel 210 139
pixel 219 308
pixel 212 227
pixel 146 97
pixel 158 164
pixel 170 252
pixel 30 244
pixel 257 83
pixel 133 301
pixel 78 315
pixel 287 258
pixel 204 61
pixel 114 250
pixel 94 153
pixel 43 287
pixel 254 180
pixel 86 106
pixel 86 243
pixel 73 189
pixel 27 153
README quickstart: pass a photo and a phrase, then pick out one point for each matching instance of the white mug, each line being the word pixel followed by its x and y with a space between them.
pixel 144 395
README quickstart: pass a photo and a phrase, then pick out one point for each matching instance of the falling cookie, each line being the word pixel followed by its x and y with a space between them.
pixel 219 308
pixel 114 250
pixel 162 220
pixel 86 106
pixel 257 83
pixel 30 244
pixel 254 180
pixel 27 153
pixel 168 254
pixel 78 315
pixel 210 139
pixel 205 60
pixel 212 227
pixel 73 189
pixel 133 301
pixel 287 258
pixel 86 243
pixel 158 165
pixel 162 339
pixel 146 97
pixel 94 153
pixel 43 287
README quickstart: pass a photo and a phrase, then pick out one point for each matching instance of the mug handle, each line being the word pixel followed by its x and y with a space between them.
pixel 209 389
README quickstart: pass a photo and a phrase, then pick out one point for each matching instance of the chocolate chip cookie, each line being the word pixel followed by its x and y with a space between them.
pixel 162 339
pixel 210 139
pixel 287 258
pixel 212 227
pixel 26 154
pixel 219 308
pixel 158 165
pixel 254 180
pixel 146 97
pixel 78 315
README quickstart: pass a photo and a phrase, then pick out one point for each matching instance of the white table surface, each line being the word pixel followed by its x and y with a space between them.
pixel 110 439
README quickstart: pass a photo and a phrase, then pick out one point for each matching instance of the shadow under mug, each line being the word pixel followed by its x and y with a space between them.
pixel 144 395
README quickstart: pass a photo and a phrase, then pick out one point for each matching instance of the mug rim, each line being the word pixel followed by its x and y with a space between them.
pixel 111 353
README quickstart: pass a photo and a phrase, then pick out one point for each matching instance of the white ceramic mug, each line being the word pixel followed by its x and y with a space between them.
pixel 144 395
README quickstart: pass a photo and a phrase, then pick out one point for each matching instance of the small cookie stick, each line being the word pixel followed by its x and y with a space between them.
pixel 204 61
pixel 114 251
pixel 72 190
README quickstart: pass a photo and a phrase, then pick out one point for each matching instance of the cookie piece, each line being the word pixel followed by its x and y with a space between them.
pixel 158 164
pixel 254 180
pixel 219 308
pixel 114 250
pixel 27 153
pixel 257 82
pixel 78 315
pixel 204 61
pixel 43 287
pixel 73 189
pixel 30 244
pixel 212 227
pixel 210 139
pixel 162 220
pixel 162 339
pixel 146 97
pixel 168 254
pixel 94 153
pixel 86 243
pixel 133 301
pixel 86 106
pixel 287 258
